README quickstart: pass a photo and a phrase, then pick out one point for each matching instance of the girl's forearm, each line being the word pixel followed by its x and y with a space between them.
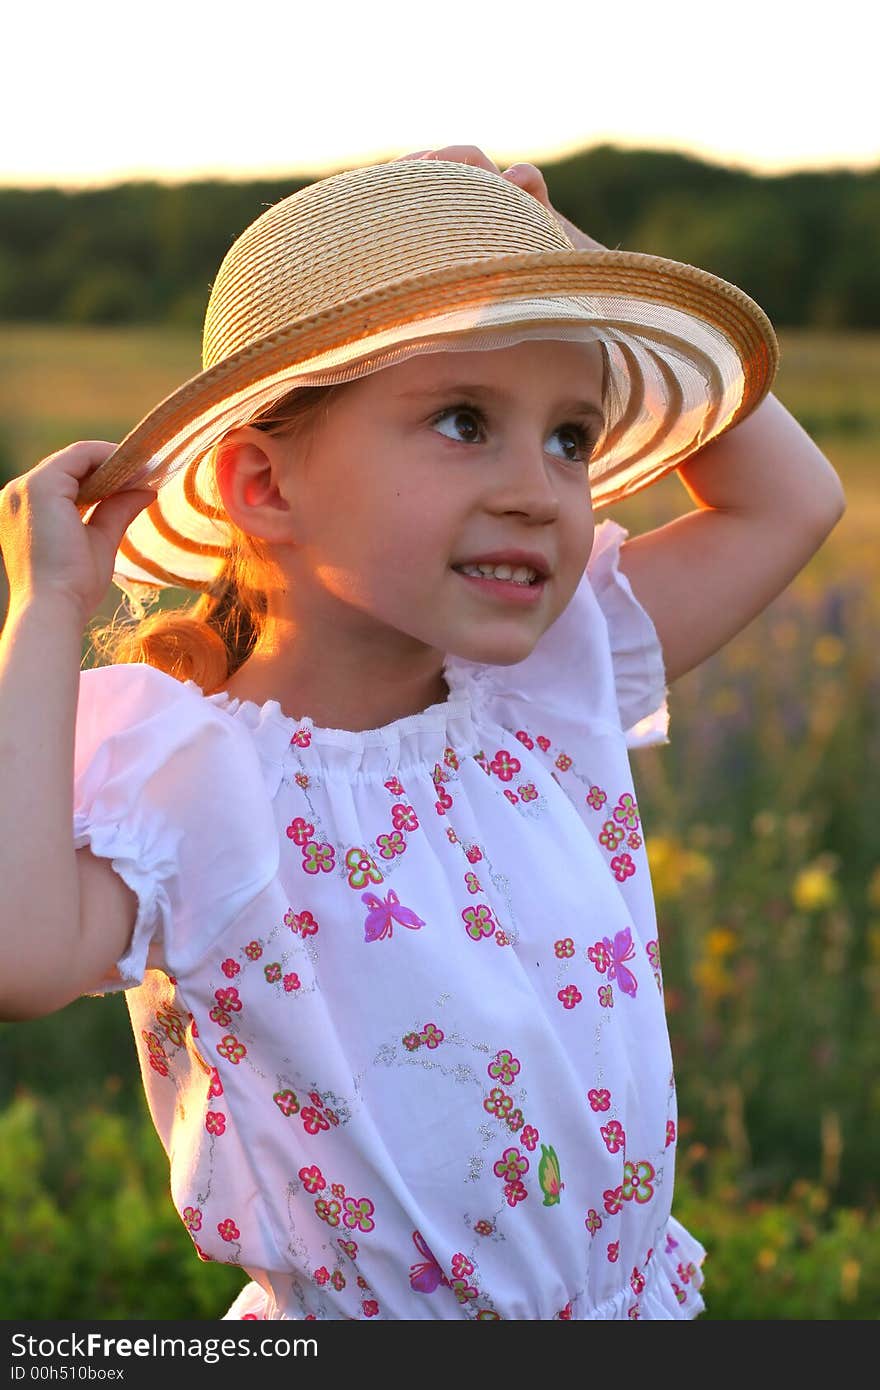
pixel 767 463
pixel 40 655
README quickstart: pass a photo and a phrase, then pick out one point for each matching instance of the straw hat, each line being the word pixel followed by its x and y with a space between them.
pixel 360 270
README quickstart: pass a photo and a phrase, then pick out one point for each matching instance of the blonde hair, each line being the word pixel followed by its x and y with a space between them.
pixel 208 640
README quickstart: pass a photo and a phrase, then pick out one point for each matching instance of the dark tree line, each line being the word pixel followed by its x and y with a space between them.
pixel 803 245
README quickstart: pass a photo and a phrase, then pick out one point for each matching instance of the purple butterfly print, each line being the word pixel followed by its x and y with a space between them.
pixel 622 950
pixel 425 1278
pixel 379 918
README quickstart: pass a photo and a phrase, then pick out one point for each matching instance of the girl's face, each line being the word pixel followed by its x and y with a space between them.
pixel 443 460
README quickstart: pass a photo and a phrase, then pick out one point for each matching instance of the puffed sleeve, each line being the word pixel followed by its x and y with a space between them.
pixel 636 654
pixel 169 788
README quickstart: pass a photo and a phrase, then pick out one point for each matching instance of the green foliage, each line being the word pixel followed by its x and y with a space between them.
pixel 801 244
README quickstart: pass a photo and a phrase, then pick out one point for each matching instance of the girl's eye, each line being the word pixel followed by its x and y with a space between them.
pixel 468 423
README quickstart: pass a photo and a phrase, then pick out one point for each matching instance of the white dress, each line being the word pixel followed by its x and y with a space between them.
pixel 396 994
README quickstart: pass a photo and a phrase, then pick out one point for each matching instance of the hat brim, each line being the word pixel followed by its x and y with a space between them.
pixel 709 348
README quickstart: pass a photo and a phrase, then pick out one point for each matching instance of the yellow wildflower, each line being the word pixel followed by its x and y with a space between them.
pixel 814 889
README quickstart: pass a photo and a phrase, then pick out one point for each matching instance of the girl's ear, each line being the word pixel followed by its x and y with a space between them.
pixel 251 479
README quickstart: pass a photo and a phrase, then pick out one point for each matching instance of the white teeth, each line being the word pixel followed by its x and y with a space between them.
pixel 521 575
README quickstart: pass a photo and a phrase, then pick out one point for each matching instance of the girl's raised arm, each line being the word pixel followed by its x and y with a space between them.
pixel 64 916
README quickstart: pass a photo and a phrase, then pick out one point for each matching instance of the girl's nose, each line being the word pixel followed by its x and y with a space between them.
pixel 525 483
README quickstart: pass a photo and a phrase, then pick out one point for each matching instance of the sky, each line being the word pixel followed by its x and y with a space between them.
pixel 97 93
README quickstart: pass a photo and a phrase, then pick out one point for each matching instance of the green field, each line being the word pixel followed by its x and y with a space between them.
pixel 762 816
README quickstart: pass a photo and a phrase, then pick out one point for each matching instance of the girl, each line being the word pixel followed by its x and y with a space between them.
pixel 358 833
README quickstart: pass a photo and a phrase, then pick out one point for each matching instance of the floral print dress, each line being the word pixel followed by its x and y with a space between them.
pixel 397 994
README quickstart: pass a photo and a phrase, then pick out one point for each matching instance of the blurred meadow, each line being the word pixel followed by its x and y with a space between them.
pixel 763 828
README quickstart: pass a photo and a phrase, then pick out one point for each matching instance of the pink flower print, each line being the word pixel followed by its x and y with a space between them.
pixel 362 868
pixel 501 938
pixel 637 1182
pixel 272 972
pixel 451 836
pixel 483 1228
pixel 511 796
pixel 463 1290
pixel 524 739
pixel 450 758
pixel 384 912
pixel 504 765
pixel 653 950
pixel 412 1041
pixel 600 956
pixel 193 1026
pixel 404 818
pixel 596 798
pixel 613 1198
pixel 473 853
pixel 302 780
pixel 593 1221
pixel 621 950
pixel 302 738
pixel 511 1165
pixel 318 859
pixel 478 922
pixel 461 1266
pixel 300 831
pixel 337 1279
pixel 232 1049
pixel 564 948
pixel 488 1315
pixel 338 1189
pixel 528 792
pixel 215 1085
pixel 636 1282
pixel 569 997
pixel 302 922
pixel 218 1015
pixel 606 996
pixel 327 1211
pixel 670 1132
pixel 438 776
pixel 680 1293
pixel 172 1025
pixel 253 950
pixel 542 742
pixel 515 1120
pixel 359 1214
pixel 313 1120
pixel 498 1103
pixel 228 1229
pixel 686 1272
pixel 599 1100
pixel 671 1244
pixel 362 1283
pixel 158 1059
pixel 515 1192
pixel 563 762
pixel 627 812
pixel 291 982
pixel 192 1218
pixel 529 1138
pixel 432 1036
pixel 202 1254
pixel 394 787
pixel 483 762
pixel 228 999
pixel 565 1313
pixel 370 1307
pixel 215 1122
pixel 349 1248
pixel 613 1251
pixel 230 968
pixel 473 883
pixel 610 835
pixel 633 840
pixel 322 1275
pixel 443 804
pixel 614 1136
pixel 633 1312
pixel 392 844
pixel 287 1102
pixel 623 867
pixel 504 1068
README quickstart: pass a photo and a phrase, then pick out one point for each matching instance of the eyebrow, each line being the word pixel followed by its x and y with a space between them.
pixel 493 393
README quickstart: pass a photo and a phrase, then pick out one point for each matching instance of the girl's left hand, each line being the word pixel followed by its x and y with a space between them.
pixel 526 176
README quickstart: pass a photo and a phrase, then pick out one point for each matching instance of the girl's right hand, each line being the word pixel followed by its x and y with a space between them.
pixel 48 550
